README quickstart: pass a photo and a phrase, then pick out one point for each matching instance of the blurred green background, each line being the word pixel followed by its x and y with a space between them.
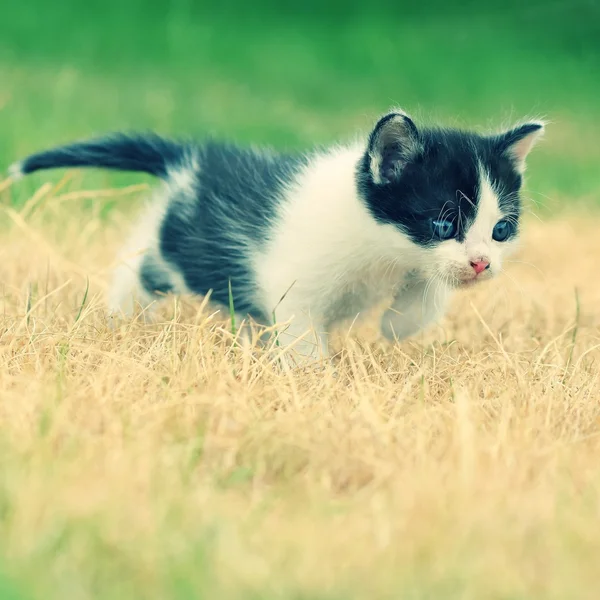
pixel 303 74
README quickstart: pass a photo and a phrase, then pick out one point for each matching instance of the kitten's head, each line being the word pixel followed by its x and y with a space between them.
pixel 454 194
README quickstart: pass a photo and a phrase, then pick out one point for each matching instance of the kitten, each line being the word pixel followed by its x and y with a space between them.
pixel 411 213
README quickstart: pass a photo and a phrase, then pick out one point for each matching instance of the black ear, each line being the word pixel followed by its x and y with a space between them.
pixel 393 143
pixel 518 142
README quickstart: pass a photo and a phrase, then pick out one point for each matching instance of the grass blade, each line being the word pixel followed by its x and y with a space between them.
pixel 231 310
pixel 85 295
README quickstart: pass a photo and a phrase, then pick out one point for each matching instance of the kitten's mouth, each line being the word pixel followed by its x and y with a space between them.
pixel 465 283
pixel 471 280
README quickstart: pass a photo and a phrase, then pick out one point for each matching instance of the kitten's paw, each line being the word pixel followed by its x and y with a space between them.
pixel 395 327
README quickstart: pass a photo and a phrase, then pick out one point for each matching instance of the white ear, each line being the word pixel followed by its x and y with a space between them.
pixel 392 143
pixel 518 142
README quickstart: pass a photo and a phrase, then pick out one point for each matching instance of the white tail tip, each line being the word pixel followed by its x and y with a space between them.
pixel 15 172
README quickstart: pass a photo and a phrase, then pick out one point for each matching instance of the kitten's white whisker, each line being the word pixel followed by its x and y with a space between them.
pixel 463 196
pixel 513 280
pixel 528 264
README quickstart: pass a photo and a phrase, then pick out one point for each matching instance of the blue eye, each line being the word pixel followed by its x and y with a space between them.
pixel 442 229
pixel 502 231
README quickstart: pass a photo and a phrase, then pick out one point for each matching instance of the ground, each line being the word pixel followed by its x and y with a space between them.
pixel 165 461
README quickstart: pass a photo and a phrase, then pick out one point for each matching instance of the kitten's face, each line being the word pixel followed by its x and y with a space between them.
pixel 454 194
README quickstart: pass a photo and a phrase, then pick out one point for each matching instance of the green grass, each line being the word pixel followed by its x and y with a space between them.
pixel 294 80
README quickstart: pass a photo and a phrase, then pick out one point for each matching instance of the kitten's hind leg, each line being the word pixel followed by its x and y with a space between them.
pixel 127 293
pixel 139 284
pixel 140 272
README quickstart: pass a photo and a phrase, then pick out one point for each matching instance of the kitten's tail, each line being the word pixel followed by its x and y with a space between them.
pixel 146 153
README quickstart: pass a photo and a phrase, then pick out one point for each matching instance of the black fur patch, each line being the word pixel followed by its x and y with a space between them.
pixel 441 182
pixel 210 238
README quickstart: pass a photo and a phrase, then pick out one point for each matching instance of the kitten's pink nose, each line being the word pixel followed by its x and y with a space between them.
pixel 480 265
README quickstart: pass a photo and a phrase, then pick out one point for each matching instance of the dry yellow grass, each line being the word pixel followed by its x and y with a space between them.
pixel 163 461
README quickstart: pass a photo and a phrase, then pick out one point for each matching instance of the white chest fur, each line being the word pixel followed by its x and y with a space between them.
pixel 326 245
pixel 328 258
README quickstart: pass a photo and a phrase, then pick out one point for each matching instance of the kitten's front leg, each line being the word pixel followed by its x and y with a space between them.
pixel 414 308
pixel 303 341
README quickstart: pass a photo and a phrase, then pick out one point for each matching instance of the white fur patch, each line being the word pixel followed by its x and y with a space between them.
pixel 327 251
pixel 478 240
pixel 375 160
pixel 183 178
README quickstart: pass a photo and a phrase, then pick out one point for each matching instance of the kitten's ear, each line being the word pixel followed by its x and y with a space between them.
pixel 393 143
pixel 518 142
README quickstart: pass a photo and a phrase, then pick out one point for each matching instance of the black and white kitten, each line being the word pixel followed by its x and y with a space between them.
pixel 411 213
